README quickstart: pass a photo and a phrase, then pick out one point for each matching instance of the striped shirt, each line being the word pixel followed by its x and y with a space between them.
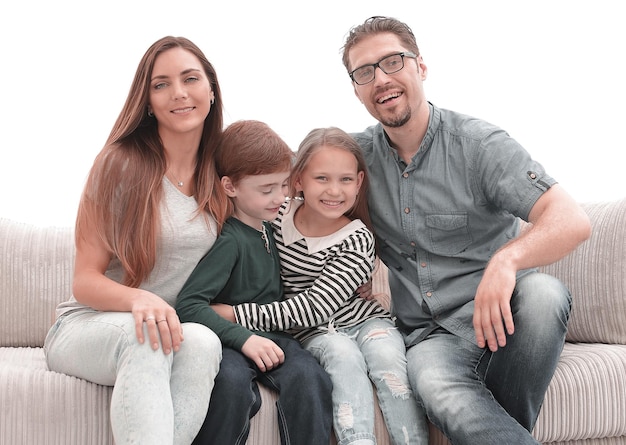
pixel 320 277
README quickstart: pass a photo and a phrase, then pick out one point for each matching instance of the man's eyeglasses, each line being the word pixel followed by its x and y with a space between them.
pixel 388 65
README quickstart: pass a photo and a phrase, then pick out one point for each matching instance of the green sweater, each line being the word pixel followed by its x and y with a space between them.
pixel 237 269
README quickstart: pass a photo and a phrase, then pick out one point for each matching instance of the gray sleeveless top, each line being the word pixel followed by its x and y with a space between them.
pixel 184 240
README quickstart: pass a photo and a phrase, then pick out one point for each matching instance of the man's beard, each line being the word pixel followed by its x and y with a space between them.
pixel 398 120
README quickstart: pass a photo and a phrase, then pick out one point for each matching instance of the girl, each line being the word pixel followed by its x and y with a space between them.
pixel 327 251
pixel 151 208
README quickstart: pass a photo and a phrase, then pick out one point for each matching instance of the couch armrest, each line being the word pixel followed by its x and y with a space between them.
pixel 36 267
pixel 595 273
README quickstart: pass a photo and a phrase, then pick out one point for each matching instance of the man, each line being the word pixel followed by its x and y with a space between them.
pixel 483 329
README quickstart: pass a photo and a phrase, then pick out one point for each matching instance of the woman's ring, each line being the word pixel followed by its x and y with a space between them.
pixel 161 321
pixel 150 317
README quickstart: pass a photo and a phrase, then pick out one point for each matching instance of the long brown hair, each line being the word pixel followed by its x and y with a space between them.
pixel 123 190
pixel 378 25
pixel 333 137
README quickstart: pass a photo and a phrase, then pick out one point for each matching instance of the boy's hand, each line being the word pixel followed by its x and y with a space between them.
pixel 225 311
pixel 263 352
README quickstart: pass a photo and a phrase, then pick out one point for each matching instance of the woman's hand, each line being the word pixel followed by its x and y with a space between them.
pixel 93 288
pixel 161 322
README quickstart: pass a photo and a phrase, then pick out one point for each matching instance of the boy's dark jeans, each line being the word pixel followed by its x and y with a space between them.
pixel 304 404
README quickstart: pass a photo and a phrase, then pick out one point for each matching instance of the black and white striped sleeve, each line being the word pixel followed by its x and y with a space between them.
pixel 348 265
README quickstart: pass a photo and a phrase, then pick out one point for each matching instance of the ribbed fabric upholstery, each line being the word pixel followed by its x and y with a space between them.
pixel 585 403
pixel 35 275
pixel 263 426
pixel 43 407
pixel 602 441
pixel 586 398
pixel 596 275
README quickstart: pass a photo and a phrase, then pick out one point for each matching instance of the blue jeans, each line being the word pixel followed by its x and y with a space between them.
pixel 372 351
pixel 157 398
pixel 304 404
pixel 478 397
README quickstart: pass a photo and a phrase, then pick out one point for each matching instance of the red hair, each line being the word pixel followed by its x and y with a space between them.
pixel 250 148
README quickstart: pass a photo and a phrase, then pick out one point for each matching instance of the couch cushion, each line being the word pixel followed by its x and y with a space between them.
pixel 36 266
pixel 595 274
pixel 41 406
pixel 585 399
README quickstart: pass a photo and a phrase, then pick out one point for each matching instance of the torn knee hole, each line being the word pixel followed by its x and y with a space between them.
pixel 344 416
pixel 377 333
pixel 397 386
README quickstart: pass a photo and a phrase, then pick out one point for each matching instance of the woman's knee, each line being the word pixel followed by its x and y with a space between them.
pixel 200 352
pixel 202 339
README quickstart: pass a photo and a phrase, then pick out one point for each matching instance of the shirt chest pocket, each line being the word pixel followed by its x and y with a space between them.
pixel 448 233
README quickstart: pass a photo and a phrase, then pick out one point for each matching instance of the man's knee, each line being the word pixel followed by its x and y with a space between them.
pixel 541 298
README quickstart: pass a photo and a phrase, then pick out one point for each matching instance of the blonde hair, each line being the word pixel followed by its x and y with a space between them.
pixel 121 198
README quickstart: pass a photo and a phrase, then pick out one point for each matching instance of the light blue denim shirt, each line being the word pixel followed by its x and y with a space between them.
pixel 439 219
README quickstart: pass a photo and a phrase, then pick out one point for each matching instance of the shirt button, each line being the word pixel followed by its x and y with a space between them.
pixel 412 243
pixel 405 175
pixel 423 264
pixel 407 210
pixel 429 294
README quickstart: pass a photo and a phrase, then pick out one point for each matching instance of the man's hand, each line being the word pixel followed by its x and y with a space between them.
pixel 263 352
pixel 557 225
pixel 365 290
pixel 492 305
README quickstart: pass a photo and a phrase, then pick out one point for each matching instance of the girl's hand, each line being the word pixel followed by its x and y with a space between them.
pixel 160 320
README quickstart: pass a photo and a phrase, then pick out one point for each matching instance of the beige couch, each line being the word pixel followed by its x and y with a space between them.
pixel 585 403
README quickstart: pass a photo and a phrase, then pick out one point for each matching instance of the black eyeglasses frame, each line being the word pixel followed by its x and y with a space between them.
pixel 402 55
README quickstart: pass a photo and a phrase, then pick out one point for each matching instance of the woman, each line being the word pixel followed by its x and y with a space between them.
pixel 151 208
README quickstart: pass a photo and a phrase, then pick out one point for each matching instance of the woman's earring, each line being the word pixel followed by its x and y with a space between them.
pixel 150 113
pixel 212 101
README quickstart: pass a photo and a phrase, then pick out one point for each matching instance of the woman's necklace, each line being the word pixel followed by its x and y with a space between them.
pixel 178 181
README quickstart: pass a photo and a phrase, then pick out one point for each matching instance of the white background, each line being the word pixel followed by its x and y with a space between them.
pixel 550 72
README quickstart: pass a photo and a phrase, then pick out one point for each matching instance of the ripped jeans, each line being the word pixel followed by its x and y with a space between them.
pixel 372 351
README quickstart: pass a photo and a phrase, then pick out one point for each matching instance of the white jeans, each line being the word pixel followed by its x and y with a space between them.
pixel 157 398
pixel 372 351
